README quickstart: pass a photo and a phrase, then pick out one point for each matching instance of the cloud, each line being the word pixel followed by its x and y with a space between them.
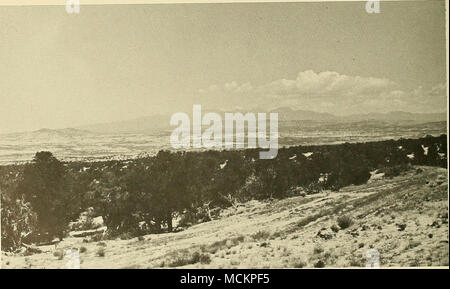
pixel 327 91
pixel 326 84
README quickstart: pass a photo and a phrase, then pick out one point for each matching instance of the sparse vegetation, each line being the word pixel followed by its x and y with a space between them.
pixel 59 254
pixel 318 250
pixel 196 257
pixel 261 235
pixel 344 221
pixel 226 243
pixel 298 263
pixel 100 252
pixel 319 264
pixel 334 228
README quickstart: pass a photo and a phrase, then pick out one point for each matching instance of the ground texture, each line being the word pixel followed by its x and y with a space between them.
pixel 395 222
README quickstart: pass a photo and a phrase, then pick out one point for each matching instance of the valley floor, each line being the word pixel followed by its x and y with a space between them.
pixel 405 219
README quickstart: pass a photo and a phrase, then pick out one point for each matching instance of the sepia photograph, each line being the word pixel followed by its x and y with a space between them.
pixel 224 135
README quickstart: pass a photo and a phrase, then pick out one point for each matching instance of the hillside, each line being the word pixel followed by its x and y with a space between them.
pixel 404 218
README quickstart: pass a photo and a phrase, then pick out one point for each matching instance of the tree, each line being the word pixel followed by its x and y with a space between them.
pixel 43 185
pixel 170 180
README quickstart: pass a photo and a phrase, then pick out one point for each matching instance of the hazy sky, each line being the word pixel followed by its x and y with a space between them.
pixel 117 62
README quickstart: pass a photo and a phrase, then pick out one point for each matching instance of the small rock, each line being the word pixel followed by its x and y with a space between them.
pixel 325 234
pixel 334 228
pixel 435 224
pixel 353 233
pixel 401 227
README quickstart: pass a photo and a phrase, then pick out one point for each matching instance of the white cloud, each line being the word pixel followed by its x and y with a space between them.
pixel 327 91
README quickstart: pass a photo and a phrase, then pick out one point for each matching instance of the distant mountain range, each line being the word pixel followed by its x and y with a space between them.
pixel 160 123
pixel 49 134
pixel 157 123
pixel 289 114
pixel 148 124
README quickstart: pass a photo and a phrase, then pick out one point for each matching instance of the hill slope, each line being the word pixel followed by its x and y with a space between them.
pixel 405 219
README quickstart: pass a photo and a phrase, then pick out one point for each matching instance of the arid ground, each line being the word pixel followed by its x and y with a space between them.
pixel 404 218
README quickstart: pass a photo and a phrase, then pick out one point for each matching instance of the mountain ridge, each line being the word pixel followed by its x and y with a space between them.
pixel 160 123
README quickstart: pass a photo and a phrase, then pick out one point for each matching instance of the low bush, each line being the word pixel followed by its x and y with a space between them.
pixel 344 221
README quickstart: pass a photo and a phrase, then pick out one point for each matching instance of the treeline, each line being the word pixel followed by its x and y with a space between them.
pixel 145 195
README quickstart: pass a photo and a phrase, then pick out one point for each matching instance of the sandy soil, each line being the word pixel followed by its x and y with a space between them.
pixel 405 219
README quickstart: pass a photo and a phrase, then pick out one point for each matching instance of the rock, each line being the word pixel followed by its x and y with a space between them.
pixel 401 227
pixel 353 233
pixel 98 222
pixel 435 224
pixel 325 234
pixel 334 228
pixel 364 227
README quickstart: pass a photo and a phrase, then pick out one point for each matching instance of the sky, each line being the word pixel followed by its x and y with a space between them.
pixel 117 62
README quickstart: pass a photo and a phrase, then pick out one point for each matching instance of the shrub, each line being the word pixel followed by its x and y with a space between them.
pixel 344 221
pixel 227 243
pixel 261 235
pixel 83 249
pixel 126 236
pixel 179 261
pixel 200 257
pixel 334 228
pixel 100 252
pixel 197 257
pixel 59 254
pixel 298 263
pixel 354 262
pixel 318 250
pixel 319 264
pixel 264 244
